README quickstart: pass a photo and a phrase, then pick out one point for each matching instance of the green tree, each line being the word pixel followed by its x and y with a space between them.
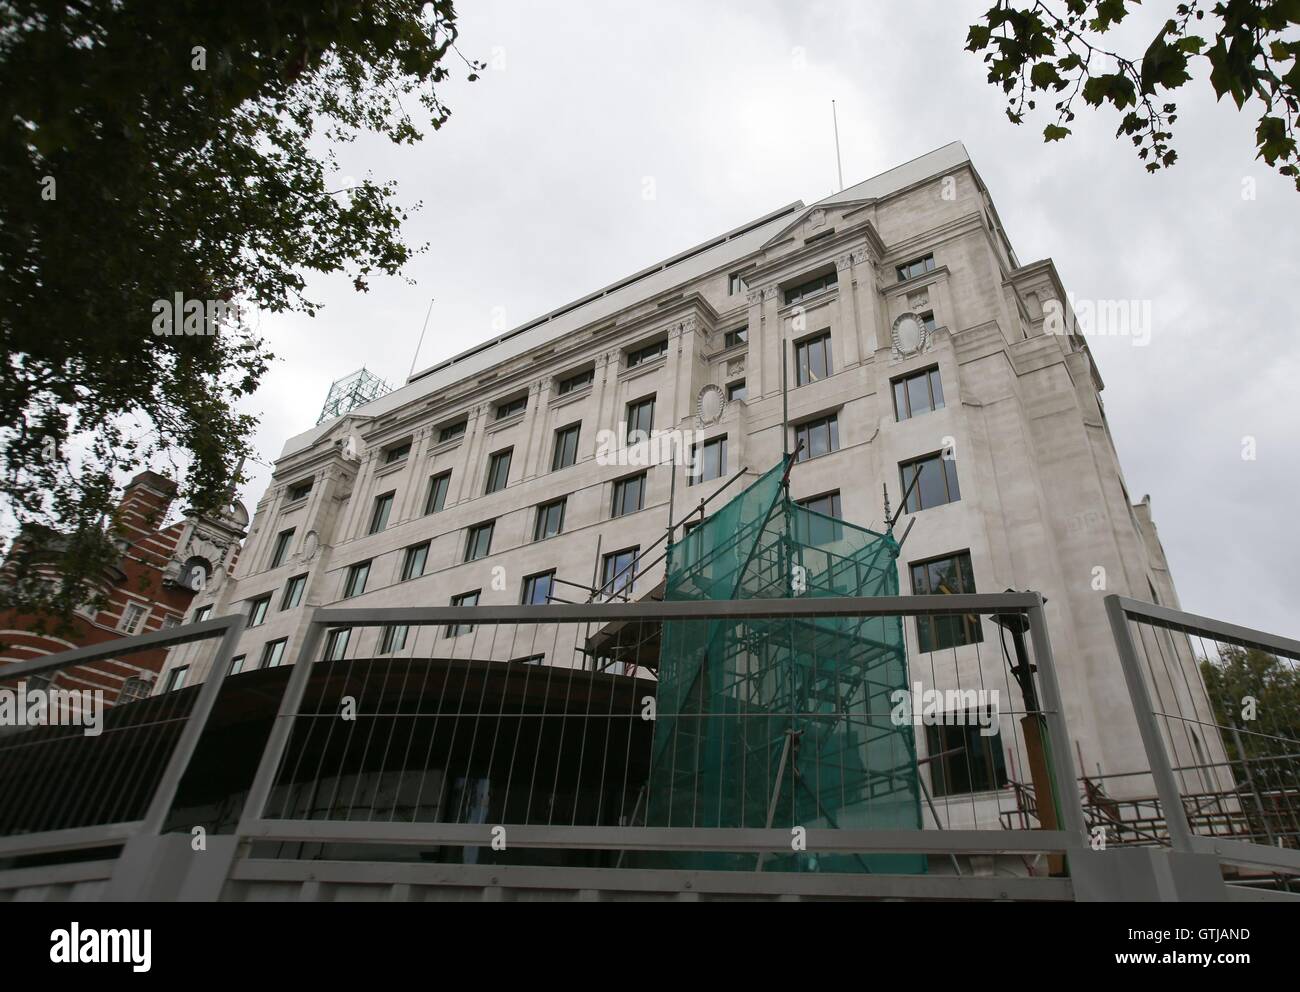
pixel 1259 695
pixel 156 148
pixel 1054 50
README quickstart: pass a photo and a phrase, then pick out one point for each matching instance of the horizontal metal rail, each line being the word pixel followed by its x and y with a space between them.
pixel 1190 623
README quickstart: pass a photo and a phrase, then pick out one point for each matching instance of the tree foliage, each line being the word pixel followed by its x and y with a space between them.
pixel 1053 50
pixel 1259 695
pixel 160 147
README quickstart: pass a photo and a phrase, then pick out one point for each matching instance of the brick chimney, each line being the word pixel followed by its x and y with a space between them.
pixel 144 505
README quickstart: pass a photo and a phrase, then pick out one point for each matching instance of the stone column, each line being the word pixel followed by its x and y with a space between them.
pixel 757 334
pixel 848 324
pixel 539 398
pixel 773 341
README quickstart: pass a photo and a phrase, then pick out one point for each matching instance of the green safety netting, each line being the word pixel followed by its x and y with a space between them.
pixel 782 722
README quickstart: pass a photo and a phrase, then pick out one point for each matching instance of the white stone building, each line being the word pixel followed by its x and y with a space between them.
pixel 910 329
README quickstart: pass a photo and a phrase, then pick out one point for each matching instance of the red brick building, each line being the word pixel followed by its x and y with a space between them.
pixel 150 588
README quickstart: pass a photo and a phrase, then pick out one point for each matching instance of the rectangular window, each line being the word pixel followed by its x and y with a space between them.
pixel 281 551
pixel 355 585
pixel 940 577
pixel 176 678
pixel 436 498
pixel 273 653
pixel 574 383
pixel 733 339
pixel 640 356
pixel 511 407
pixel 818 437
pixel 976 764
pixel 257 610
pixel 710 461
pixel 916 267
pixel 937 485
pixel 811 288
pixel 819 529
pixel 293 590
pixel 736 284
pixel 202 613
pixel 640 420
pixel 132 619
pixel 629 495
pixel 478 543
pixel 498 470
pixel 532 659
pixel 464 599
pixel 237 663
pixel 169 622
pixel 918 393
pixel 550 519
pixel 397 453
pixel 300 490
pixel 812 358
pixel 452 431
pixel 336 643
pixel 566 447
pixel 379 516
pixel 618 572
pixel 416 558
pixel 394 639
pixel 538 588
pixel 737 391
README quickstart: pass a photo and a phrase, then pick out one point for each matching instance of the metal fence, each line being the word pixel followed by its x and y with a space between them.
pixel 504 752
pixel 1218 708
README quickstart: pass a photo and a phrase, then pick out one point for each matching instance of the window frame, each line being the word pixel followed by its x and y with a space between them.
pixel 510 408
pixel 732 387
pixel 560 452
pixel 699 460
pixel 256 616
pixel 453 431
pixel 495 460
pixel 432 505
pixel 470 534
pixel 952 482
pixel 637 407
pixel 926 261
pixel 381 511
pixel 280 550
pixel 274 648
pixel 803 431
pixel 566 386
pixel 809 288
pixel 409 558
pixel 945 633
pixel 620 487
pixel 608 575
pixel 931 374
pixel 542 514
pixel 802 347
pixel 289 587
pixel 461 599
pixel 645 354
pixel 361 569
pixel 528 590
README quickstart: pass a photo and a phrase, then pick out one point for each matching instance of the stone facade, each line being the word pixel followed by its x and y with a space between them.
pixel 909 271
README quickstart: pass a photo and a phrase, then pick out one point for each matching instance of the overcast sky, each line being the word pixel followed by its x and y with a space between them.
pixel 533 196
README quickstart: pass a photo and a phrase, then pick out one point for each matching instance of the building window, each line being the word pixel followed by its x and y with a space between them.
pixel 737 391
pixel 734 339
pixel 576 382
pixel 397 453
pixel 538 589
pixel 394 639
pixel 416 558
pixel 629 495
pixel 928 320
pixel 941 577
pixel 532 659
pixel 917 267
pixel 136 687
pixel 736 284
pixel 436 498
pixel 379 517
pixel 550 519
pixel 937 485
pixel 257 611
pixel 918 393
pixel 300 490
pixel 640 356
pixel 176 678
pixel 811 288
pixel 817 437
pixel 169 622
pixel 710 461
pixel 237 664
pixel 132 618
pixel 293 590
pixel 273 653
pixel 464 599
pixel 511 407
pixel 355 585
pixel 336 643
pixel 812 358
pixel 640 420
pixel 819 529
pixel 566 447
pixel 618 572
pixel 478 543
pixel 498 470
pixel 281 552
pixel 976 764
pixel 828 504
pixel 452 431
pixel 202 613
